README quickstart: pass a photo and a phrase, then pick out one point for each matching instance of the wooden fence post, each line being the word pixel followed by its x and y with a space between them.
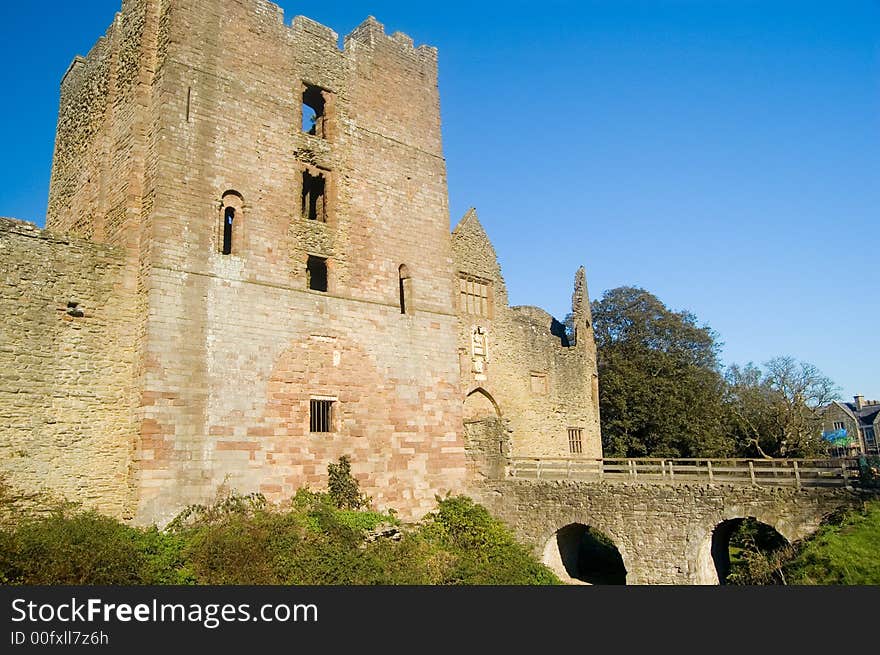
pixel 709 466
pixel 797 475
pixel 752 472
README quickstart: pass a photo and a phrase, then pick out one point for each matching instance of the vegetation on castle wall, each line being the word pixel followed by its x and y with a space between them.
pixel 314 539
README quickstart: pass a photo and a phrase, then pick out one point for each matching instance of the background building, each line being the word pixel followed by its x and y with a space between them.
pixel 854 425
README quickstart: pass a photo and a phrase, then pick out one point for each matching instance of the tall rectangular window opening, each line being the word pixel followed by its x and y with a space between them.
pixel 314 197
pixel 314 109
pixel 405 288
pixel 228 217
pixel 575 441
pixel 316 273
pixel 320 415
pixel 474 296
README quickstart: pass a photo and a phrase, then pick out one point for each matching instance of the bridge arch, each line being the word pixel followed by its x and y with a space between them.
pixel 583 554
pixel 713 562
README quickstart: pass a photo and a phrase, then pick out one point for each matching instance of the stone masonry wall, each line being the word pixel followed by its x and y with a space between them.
pixel 520 346
pixel 97 170
pixel 663 532
pixel 65 371
pixel 237 345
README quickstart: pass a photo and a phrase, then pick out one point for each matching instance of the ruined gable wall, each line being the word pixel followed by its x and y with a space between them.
pixel 520 343
pixel 65 380
pixel 236 345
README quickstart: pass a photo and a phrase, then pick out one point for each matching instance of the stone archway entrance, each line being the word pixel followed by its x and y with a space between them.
pixel 485 433
pixel 581 554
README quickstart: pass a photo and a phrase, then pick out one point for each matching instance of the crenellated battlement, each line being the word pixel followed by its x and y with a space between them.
pixel 372 33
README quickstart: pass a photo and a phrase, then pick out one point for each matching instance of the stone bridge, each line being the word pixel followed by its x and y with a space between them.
pixel 666 532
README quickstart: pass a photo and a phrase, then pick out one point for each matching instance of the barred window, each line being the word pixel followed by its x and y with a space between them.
pixel 838 425
pixel 575 440
pixel 320 415
pixel 474 296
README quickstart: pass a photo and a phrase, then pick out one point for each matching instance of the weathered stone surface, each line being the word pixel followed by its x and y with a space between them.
pixel 663 531
pixel 66 373
pixel 200 366
pixel 142 369
pixel 537 382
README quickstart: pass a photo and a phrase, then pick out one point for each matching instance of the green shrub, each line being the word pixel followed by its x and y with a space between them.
pixel 242 540
pixel 343 487
pixel 483 549
pixel 85 548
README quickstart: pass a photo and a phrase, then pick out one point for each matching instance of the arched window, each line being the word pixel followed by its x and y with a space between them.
pixel 405 289
pixel 231 215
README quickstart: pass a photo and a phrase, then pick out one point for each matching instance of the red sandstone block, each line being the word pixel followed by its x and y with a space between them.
pixel 150 427
pixel 248 446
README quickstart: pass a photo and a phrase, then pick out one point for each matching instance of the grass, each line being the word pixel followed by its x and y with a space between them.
pixel 845 551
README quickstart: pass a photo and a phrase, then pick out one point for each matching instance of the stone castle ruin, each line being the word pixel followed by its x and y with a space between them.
pixel 247 272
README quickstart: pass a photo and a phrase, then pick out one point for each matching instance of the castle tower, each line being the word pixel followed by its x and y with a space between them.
pixel 248 272
pixel 282 203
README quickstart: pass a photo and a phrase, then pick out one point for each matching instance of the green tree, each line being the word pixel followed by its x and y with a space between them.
pixel 774 411
pixel 345 492
pixel 661 389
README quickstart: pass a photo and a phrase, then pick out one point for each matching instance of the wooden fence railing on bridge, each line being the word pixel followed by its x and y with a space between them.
pixel 837 472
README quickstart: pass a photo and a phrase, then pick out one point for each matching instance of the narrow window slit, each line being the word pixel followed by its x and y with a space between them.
pixel 405 289
pixel 228 218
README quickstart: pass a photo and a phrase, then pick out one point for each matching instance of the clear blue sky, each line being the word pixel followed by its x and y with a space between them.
pixel 724 155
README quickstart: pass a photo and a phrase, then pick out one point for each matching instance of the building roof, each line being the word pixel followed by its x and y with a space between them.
pixel 865 416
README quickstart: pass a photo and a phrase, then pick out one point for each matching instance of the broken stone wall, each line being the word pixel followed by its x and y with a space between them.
pixel 541 384
pixel 66 366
